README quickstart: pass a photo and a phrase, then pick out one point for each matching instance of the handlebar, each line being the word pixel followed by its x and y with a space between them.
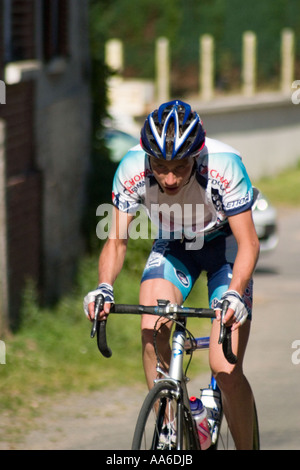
pixel 163 309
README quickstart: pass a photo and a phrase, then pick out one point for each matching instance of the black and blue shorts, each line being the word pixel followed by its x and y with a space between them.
pixel 169 259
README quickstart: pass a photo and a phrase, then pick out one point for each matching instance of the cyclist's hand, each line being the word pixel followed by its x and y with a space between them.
pixel 88 303
pixel 236 314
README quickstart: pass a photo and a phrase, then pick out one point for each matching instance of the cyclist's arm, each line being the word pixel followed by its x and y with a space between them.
pixel 243 229
pixel 113 253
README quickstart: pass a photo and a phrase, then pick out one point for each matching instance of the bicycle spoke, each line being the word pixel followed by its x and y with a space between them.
pixel 157 425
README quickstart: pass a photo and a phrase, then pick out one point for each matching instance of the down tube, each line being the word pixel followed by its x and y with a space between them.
pixel 178 341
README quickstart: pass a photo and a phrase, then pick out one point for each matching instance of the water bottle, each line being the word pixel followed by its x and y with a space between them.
pixel 211 399
pixel 200 416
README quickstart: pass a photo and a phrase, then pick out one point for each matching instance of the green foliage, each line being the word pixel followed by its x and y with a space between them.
pixel 140 22
pixel 284 189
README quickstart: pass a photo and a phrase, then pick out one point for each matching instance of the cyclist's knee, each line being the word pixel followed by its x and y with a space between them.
pixel 162 342
pixel 147 338
pixel 162 336
pixel 228 381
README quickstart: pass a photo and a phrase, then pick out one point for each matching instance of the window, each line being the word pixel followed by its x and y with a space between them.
pixel 18 30
pixel 55 28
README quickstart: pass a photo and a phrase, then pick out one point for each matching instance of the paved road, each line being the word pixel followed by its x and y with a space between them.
pixel 78 423
pixel 276 325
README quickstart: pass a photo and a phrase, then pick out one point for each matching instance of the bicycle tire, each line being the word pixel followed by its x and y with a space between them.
pixel 163 407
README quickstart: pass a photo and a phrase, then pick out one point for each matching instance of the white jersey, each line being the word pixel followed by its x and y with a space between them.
pixel 219 187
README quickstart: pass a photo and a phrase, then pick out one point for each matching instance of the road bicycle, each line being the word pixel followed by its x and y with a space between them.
pixel 165 421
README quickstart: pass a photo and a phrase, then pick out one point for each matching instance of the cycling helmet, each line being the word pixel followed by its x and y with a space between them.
pixel 173 131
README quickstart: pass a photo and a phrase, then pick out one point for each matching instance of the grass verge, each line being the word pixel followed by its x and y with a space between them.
pixel 283 190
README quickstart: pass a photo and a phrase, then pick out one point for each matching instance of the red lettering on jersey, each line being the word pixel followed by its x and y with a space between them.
pixel 216 175
pixel 136 178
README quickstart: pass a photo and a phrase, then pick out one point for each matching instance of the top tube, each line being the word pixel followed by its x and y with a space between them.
pixel 202 343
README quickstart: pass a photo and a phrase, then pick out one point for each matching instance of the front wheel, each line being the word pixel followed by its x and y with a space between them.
pixel 164 423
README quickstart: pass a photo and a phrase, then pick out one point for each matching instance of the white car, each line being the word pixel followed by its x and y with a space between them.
pixel 265 221
pixel 118 142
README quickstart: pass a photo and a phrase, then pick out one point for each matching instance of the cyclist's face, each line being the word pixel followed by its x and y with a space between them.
pixel 172 175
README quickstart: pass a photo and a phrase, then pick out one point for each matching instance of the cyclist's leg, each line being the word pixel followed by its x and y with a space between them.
pixel 237 395
pixel 165 277
pixel 236 391
pixel 150 291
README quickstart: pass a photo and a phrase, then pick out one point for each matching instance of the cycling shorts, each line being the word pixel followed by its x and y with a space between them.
pixel 170 260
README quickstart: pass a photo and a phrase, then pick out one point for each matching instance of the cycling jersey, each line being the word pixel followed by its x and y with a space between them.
pixel 219 187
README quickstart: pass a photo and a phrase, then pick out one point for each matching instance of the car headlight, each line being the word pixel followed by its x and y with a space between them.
pixel 262 204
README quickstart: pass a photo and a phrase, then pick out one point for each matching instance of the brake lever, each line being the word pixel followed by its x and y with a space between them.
pixel 225 336
pixel 99 302
pixel 225 306
pixel 99 327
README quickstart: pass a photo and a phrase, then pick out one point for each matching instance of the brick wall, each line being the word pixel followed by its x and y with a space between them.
pixel 24 189
pixel 24 237
pixel 22 30
pixel 46 127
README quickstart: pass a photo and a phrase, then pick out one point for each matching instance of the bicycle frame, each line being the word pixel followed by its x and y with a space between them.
pixel 178 342
pixel 174 380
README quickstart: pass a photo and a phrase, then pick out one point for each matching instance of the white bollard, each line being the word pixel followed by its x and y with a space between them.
pixel 287 60
pixel 162 70
pixel 249 63
pixel 114 55
pixel 206 78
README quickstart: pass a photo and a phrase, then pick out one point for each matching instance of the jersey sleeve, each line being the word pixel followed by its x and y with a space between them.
pixel 238 195
pixel 124 197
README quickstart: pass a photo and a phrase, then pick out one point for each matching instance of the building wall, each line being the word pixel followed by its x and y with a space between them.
pixel 45 152
pixel 62 117
pixel 265 129
pixel 23 193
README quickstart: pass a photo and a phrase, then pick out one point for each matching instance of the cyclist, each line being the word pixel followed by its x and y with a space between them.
pixel 210 228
